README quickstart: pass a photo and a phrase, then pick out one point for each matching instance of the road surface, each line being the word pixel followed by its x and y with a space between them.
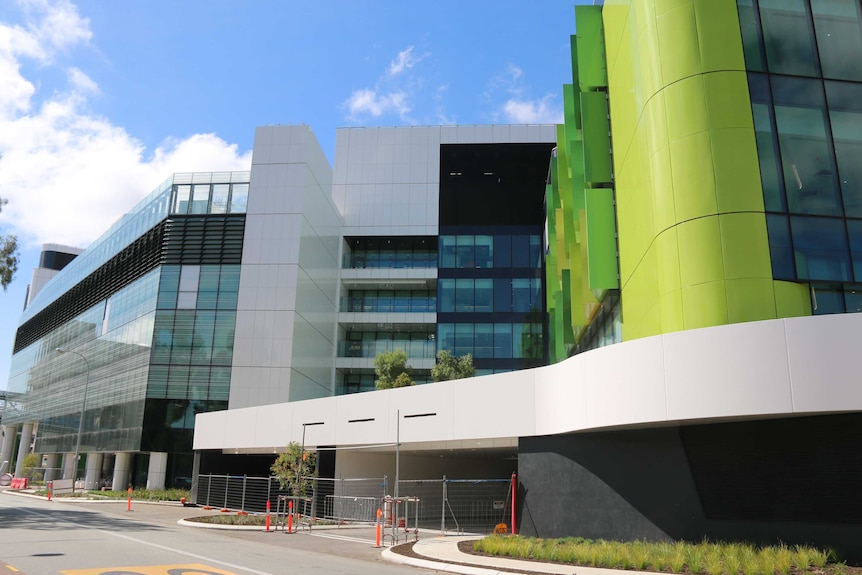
pixel 38 537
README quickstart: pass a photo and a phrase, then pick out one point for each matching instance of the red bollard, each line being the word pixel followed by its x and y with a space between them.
pixel 379 515
pixel 267 514
pixel 50 489
pixel 290 517
pixel 514 497
pixel 129 503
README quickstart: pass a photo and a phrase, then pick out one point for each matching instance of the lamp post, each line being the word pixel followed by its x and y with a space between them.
pixel 83 408
pixel 302 449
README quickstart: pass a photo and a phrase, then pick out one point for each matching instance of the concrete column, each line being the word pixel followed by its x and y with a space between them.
pixel 69 466
pixel 8 446
pixel 23 447
pixel 122 471
pixel 158 470
pixel 51 462
pixel 94 471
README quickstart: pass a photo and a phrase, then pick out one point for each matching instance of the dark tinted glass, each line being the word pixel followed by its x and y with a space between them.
pixel 764 131
pixel 750 27
pixel 839 37
pixel 780 247
pixel 787 35
pixel 854 231
pixel 806 151
pixel 827 299
pixel 820 249
pixel 853 300
pixel 845 114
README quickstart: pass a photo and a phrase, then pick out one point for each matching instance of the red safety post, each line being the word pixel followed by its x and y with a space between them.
pixel 290 516
pixel 379 527
pixel 50 489
pixel 129 502
pixel 514 497
pixel 267 514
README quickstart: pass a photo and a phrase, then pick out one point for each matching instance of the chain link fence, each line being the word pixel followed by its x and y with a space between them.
pixel 450 505
pixel 460 505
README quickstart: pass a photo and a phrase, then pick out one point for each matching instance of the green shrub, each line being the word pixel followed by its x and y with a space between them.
pixel 678 557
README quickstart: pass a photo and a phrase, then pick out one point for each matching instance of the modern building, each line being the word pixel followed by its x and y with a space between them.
pixel 656 294
pixel 282 284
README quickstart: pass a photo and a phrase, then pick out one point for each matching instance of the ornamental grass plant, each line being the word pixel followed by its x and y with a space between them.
pixel 705 557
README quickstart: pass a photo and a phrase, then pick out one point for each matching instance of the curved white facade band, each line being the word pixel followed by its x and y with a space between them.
pixel 775 368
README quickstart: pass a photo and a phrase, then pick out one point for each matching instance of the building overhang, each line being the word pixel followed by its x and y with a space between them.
pixel 766 369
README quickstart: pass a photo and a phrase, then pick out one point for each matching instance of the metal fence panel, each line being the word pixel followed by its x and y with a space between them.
pixel 450 505
pixel 430 495
pixel 477 506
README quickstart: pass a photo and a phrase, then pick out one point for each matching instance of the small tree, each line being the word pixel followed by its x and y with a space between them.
pixel 295 469
pixel 392 369
pixel 8 255
pixel 450 367
pixel 31 467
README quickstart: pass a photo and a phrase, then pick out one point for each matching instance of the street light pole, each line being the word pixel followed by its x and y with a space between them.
pixel 83 408
pixel 397 451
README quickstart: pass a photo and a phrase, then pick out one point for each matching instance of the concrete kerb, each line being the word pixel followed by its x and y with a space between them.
pixel 33 495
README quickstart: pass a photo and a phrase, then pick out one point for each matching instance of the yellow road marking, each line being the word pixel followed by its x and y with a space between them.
pixel 10 568
pixel 181 569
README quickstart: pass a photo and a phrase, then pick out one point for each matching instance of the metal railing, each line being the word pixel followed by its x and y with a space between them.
pixel 450 505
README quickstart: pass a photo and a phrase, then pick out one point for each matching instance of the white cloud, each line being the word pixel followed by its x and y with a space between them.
pixel 404 61
pixel 67 173
pixel 541 111
pixel 56 24
pixel 392 93
pixel 517 107
pixel 81 82
pixel 515 72
pixel 375 104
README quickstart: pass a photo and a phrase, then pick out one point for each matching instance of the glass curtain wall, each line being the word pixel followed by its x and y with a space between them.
pixel 805 78
pixel 490 288
pixel 114 338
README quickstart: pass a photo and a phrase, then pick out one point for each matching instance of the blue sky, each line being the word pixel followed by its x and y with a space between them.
pixel 100 101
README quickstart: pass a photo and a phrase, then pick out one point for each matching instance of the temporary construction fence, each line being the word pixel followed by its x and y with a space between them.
pixel 330 498
pixel 460 505
pixel 450 505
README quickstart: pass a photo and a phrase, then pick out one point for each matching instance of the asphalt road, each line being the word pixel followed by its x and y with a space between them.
pixel 38 537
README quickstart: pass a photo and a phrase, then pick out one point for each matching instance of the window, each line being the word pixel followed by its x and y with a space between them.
pixel 239 198
pixel 780 247
pixel 806 153
pixel 788 37
pixel 845 113
pixel 839 37
pixel 820 249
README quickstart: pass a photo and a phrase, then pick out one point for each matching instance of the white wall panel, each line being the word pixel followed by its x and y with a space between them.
pixel 271 426
pixel 825 363
pixel 415 401
pixel 726 371
pixel 502 405
pixel 711 374
pixel 561 397
pixel 625 392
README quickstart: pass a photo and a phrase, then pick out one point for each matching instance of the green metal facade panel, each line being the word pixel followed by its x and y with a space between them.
pixel 601 238
pixel 582 262
pixel 693 248
pixel 591 66
pixel 597 143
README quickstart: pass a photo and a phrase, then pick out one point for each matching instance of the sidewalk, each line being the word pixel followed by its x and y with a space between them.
pixel 443 555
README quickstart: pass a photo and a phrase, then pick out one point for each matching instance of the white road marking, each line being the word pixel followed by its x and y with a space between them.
pixel 156 545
